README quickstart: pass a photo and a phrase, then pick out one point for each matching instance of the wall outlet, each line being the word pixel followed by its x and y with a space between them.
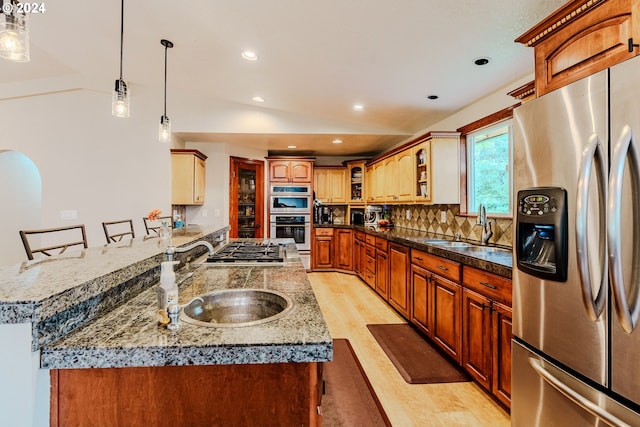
pixel 204 212
pixel 68 215
pixel 408 213
pixel 443 216
pixel 216 213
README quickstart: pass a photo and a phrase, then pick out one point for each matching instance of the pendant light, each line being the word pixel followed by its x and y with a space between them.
pixel 121 96
pixel 165 124
pixel 14 32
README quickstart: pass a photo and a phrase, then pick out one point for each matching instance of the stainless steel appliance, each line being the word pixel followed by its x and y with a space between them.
pixel 249 253
pixel 372 214
pixel 290 199
pixel 356 216
pixel 576 344
pixel 296 227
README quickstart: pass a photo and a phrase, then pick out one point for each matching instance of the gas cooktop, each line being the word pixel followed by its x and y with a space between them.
pixel 249 252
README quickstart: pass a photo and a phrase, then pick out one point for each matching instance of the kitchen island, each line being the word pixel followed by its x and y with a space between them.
pixel 196 365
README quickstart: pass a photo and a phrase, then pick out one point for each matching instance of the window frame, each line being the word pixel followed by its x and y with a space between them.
pixel 485 122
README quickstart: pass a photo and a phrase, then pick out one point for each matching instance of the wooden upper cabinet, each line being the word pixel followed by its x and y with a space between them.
pixel 187 177
pixel 582 38
pixel 329 184
pixel 290 171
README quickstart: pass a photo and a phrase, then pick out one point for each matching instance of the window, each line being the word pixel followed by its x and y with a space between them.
pixel 489 168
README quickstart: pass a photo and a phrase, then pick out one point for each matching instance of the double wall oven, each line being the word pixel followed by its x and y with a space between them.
pixel 290 214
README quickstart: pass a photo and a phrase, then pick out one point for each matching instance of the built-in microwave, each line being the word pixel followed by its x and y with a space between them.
pixel 293 199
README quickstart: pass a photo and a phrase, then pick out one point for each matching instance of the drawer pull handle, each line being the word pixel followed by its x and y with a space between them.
pixel 442 267
pixel 418 258
pixel 488 285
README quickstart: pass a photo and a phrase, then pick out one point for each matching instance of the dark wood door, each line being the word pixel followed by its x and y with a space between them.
pixel 343 248
pixel 502 335
pixel 399 280
pixel 323 249
pixel 246 196
pixel 357 259
pixel 382 274
pixel 447 310
pixel 421 300
pixel 476 337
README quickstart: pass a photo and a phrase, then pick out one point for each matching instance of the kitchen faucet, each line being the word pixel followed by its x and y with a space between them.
pixel 481 221
pixel 171 250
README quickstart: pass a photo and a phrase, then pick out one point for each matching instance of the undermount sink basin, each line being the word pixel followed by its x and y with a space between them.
pixel 487 249
pixel 454 244
pixel 237 308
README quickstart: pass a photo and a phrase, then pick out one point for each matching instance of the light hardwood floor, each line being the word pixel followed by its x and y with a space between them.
pixel 348 305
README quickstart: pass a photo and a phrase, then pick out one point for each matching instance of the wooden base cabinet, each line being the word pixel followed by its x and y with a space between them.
pixel 343 249
pixel 487 331
pixel 399 278
pixel 323 248
pixel 447 316
pixel 382 268
pixel 421 300
pixel 278 394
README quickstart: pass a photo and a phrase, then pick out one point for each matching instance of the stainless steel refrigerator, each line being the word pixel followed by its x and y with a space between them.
pixel 576 347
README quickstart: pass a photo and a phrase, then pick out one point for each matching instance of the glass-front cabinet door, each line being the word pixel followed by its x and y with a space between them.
pixel 355 172
pixel 246 198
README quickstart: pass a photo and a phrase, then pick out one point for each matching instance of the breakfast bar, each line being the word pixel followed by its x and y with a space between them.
pixel 88 321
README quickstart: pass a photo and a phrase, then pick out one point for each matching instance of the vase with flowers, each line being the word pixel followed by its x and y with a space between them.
pixel 164 231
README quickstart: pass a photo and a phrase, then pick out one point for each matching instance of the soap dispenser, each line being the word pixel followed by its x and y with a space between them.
pixel 168 289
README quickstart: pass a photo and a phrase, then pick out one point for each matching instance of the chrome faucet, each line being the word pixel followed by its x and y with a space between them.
pixel 172 250
pixel 481 221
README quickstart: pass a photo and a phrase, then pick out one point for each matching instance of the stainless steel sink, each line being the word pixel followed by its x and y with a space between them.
pixel 454 244
pixel 487 249
pixel 237 307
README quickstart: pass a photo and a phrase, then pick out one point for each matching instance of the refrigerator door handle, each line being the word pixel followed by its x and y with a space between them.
pixel 576 397
pixel 624 147
pixel 593 153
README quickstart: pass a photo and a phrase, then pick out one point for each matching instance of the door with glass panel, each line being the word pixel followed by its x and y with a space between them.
pixel 246 198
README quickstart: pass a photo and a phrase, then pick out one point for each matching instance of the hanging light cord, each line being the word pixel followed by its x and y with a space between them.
pixel 121 34
pixel 165 79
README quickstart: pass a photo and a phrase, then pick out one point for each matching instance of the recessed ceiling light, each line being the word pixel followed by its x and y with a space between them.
pixel 249 56
pixel 291 146
pixel 258 99
pixel 358 107
pixel 337 141
pixel 481 61
pixel 432 96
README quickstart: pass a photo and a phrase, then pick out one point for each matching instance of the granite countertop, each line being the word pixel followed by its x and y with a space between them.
pixel 130 336
pixel 59 293
pixel 497 262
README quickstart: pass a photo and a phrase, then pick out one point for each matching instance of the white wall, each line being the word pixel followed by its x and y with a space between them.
pixel 89 161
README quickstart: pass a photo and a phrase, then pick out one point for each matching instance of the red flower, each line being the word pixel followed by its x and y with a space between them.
pixel 154 215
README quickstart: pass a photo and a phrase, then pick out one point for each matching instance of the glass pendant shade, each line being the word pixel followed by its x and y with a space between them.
pixel 165 129
pixel 14 36
pixel 120 99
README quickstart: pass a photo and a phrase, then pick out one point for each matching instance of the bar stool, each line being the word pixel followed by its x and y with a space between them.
pixel 66 237
pixel 155 225
pixel 115 231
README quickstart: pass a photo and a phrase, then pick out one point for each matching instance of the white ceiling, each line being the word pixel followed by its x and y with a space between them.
pixel 316 59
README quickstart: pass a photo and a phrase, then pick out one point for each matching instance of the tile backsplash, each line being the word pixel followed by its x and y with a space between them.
pixel 428 218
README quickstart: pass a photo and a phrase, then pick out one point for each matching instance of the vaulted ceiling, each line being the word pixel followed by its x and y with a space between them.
pixel 316 59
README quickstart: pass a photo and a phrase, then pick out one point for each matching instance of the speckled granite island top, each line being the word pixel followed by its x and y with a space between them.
pixel 130 336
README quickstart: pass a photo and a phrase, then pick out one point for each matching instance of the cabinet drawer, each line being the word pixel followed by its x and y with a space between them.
pixel 370 264
pixel 370 239
pixel 359 235
pixel 326 232
pixel 382 244
pixel 441 266
pixel 370 251
pixel 490 285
